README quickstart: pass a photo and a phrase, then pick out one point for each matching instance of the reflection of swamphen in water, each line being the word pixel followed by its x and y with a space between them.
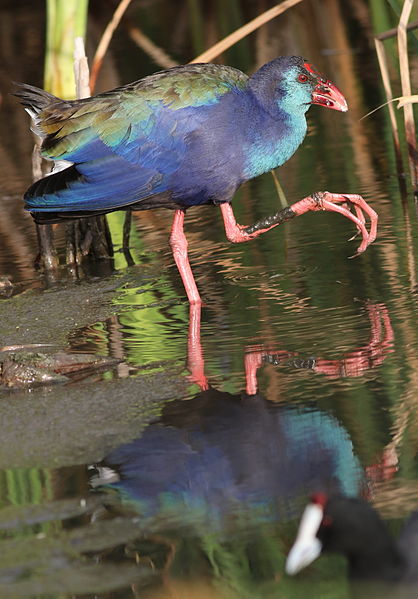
pixel 222 452
pixel 183 137
pixel 220 455
pixel 352 527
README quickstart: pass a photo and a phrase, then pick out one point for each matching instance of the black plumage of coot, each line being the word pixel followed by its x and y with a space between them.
pixel 352 527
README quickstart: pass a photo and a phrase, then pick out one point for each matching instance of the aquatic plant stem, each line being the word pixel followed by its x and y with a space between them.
pixel 105 41
pixel 243 31
pixel 384 72
pixel 89 235
pixel 406 91
pixel 66 19
pixel 81 69
pixel 158 55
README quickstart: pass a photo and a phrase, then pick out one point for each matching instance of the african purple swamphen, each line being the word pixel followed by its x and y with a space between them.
pixel 352 527
pixel 184 137
pixel 222 455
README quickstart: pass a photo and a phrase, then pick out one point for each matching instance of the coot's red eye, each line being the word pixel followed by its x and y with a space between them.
pixel 303 78
pixel 327 520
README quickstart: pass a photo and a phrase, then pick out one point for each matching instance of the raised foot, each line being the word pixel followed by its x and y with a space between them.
pixel 320 200
pixel 344 204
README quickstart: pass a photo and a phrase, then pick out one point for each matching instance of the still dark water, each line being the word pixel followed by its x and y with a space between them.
pixel 140 482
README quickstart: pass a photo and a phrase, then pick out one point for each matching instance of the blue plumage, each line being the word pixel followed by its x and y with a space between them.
pixel 226 455
pixel 157 136
pixel 180 138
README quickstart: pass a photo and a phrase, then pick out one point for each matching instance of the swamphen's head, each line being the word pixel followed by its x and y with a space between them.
pixel 293 84
pixel 349 526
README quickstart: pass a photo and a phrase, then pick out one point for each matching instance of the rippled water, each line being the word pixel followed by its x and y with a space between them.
pixel 144 481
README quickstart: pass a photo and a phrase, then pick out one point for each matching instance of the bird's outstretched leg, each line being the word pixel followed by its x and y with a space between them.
pixel 179 244
pixel 321 200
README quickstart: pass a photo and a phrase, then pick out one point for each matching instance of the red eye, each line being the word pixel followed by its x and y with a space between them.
pixel 327 521
pixel 303 78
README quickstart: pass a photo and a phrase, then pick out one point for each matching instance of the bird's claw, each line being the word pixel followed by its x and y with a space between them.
pixel 353 237
pixel 344 203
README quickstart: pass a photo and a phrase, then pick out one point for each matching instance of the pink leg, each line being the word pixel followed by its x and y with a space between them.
pixel 179 244
pixel 317 201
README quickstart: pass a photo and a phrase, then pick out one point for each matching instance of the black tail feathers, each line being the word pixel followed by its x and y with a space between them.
pixel 33 98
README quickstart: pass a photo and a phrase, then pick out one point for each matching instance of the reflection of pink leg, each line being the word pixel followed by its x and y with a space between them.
pixel 253 359
pixel 252 362
pixel 386 468
pixel 367 357
pixel 179 244
pixel 196 363
pixel 353 364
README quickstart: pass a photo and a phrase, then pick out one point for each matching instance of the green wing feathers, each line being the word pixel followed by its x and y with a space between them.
pixel 68 126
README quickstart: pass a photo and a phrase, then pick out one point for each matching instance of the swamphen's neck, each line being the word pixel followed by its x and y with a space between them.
pixel 276 120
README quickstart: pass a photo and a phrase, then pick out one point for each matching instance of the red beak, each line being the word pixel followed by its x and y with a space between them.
pixel 326 93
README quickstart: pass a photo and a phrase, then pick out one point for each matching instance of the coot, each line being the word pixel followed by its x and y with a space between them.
pixel 351 526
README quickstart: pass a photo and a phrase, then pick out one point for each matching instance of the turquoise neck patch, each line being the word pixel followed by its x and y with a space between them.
pixel 267 151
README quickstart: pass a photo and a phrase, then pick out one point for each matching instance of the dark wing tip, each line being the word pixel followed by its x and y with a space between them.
pixel 33 97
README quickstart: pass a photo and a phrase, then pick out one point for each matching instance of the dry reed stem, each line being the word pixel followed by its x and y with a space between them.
pixel 92 236
pixel 406 90
pixel 81 76
pixel 81 69
pixel 105 41
pixel 392 32
pixel 406 99
pixel 245 30
pixel 384 72
pixel 158 55
pixel 279 190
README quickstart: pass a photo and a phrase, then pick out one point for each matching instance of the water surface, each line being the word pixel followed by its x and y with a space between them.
pixel 182 471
